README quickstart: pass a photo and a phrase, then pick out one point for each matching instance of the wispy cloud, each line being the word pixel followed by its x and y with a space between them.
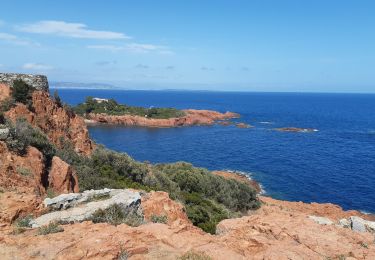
pixel 142 66
pixel 134 48
pixel 73 30
pixel 106 63
pixel 145 48
pixel 170 67
pixel 14 39
pixel 36 66
pixel 106 47
pixel 207 68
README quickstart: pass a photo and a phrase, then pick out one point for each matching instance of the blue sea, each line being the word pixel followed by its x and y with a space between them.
pixel 335 164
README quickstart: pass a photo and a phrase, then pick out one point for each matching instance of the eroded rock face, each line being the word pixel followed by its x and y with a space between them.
pixel 56 122
pixel 159 204
pixel 23 182
pixel 20 183
pixel 5 91
pixel 193 117
pixel 62 178
pixel 81 209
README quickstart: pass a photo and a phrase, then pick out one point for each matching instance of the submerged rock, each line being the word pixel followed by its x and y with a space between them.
pixel 243 125
pixel 4 132
pixel 77 207
pixel 296 129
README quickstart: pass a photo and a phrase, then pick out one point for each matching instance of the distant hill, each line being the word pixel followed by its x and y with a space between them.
pixel 79 85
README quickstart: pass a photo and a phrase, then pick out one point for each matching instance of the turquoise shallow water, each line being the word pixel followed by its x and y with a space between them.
pixel 335 164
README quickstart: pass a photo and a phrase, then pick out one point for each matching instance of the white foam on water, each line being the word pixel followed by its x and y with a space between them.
pixel 249 176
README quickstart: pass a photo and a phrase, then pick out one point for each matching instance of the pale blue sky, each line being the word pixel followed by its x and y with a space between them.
pixel 280 45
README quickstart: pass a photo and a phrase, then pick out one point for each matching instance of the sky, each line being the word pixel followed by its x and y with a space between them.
pixel 264 45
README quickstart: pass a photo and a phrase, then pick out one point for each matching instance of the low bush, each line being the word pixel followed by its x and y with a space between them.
pixel 115 215
pixel 159 219
pixel 50 193
pixel 50 229
pixel 192 255
pixel 24 171
pixel 123 254
pixel 98 197
pixel 57 99
pixel 21 92
pixel 6 104
pixel 22 134
pixel 24 221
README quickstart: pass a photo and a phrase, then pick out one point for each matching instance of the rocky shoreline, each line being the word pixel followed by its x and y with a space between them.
pixel 192 117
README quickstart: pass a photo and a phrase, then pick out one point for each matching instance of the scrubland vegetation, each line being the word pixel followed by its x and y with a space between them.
pixel 207 198
pixel 111 107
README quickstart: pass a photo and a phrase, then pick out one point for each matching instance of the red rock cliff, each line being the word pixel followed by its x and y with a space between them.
pixel 56 122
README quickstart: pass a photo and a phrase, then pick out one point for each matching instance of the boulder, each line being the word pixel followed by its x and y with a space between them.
pixel 344 223
pixel 62 178
pixel 321 220
pixel 361 225
pixel 65 201
pixel 243 125
pixel 83 206
pixel 4 132
pixel 358 224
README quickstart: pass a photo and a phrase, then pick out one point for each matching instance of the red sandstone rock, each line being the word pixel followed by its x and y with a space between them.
pixel 238 177
pixel 55 122
pixel 21 184
pixel 4 91
pixel 272 232
pixel 62 178
pixel 159 204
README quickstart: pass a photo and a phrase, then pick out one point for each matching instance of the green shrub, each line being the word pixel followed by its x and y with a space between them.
pixel 192 255
pixel 6 104
pixel 98 197
pixel 234 195
pixel 57 99
pixel 159 219
pixel 22 134
pixel 204 213
pixel 24 171
pixel 123 254
pixel 51 193
pixel 21 92
pixel 24 221
pixel 51 228
pixel 115 215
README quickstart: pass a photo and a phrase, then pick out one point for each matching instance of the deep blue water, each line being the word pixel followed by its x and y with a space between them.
pixel 336 164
